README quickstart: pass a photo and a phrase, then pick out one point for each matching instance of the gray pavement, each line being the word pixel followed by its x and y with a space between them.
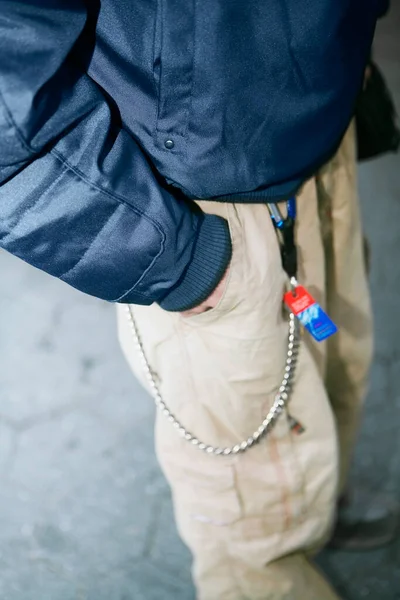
pixel 85 513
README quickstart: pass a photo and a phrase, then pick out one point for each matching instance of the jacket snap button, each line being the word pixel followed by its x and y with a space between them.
pixel 169 144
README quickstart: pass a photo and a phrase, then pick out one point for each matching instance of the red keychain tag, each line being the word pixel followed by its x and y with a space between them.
pixel 309 313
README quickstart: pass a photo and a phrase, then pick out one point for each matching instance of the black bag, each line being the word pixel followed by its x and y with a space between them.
pixel 377 132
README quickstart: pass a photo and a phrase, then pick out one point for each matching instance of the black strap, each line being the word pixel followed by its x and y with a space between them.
pixel 289 248
pixel 286 227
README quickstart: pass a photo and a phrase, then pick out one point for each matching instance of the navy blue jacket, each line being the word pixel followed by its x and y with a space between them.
pixel 114 114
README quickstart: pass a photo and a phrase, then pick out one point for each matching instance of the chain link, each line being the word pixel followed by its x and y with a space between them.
pixel 280 401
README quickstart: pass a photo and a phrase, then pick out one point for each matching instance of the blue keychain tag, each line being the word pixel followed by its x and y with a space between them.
pixel 309 313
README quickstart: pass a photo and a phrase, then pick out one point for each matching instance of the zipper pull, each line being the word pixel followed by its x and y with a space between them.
pixel 295 425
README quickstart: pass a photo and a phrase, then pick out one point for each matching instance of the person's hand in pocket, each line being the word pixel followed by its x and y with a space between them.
pixel 212 300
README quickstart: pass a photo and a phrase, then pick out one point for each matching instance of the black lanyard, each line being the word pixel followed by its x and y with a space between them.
pixel 286 228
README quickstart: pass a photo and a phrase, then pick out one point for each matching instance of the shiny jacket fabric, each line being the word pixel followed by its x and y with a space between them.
pixel 114 114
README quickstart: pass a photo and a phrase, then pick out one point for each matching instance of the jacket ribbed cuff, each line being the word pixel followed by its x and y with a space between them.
pixel 211 257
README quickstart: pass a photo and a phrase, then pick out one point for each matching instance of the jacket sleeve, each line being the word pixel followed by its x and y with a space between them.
pixel 79 199
pixel 384 6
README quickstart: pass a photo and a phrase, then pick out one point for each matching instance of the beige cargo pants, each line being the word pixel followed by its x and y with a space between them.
pixel 253 520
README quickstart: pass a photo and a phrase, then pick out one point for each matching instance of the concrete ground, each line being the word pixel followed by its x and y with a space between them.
pixel 85 513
